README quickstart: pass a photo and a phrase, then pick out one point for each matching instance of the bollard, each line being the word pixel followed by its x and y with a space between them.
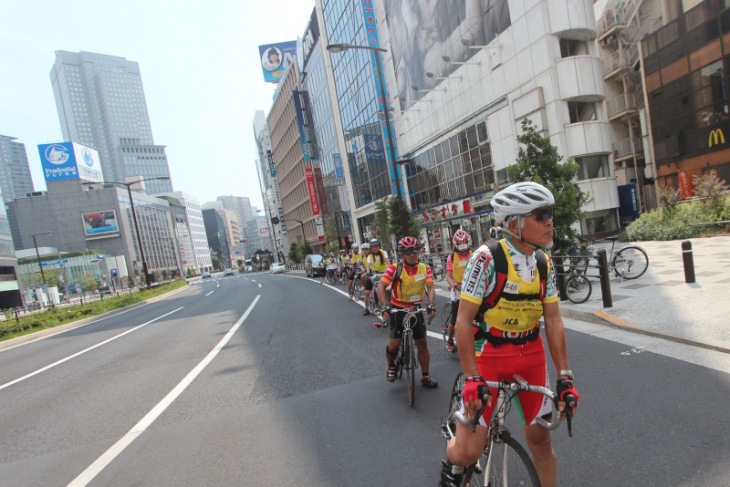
pixel 605 280
pixel 688 260
pixel 559 269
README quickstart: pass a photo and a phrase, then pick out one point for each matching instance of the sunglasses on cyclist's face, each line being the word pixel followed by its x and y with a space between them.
pixel 542 214
pixel 410 252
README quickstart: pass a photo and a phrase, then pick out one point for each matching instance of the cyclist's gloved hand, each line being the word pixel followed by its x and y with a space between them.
pixel 475 387
pixel 565 388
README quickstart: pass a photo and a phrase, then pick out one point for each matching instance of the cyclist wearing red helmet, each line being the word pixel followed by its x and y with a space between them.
pixel 455 266
pixel 409 284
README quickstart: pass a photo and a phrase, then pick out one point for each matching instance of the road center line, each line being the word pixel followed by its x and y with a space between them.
pixel 209 293
pixel 108 456
pixel 8 384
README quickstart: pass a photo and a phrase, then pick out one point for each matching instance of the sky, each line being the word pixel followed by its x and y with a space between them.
pixel 200 71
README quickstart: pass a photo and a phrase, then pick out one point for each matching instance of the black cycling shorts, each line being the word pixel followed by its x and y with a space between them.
pixel 396 326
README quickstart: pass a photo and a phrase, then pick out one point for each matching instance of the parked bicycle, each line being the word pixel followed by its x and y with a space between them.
pixel 406 357
pixel 628 262
pixel 504 461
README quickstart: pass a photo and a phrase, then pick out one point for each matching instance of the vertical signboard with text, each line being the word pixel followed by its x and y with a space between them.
pixel 275 58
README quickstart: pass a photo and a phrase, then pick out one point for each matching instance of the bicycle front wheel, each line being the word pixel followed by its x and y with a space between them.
pixel 578 289
pixel 504 463
pixel 446 313
pixel 409 357
pixel 454 405
pixel 630 262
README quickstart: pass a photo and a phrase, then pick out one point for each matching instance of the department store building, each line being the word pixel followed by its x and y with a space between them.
pixel 459 79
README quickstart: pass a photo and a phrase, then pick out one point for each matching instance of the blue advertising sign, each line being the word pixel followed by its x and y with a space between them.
pixel 272 169
pixel 58 161
pixel 628 202
pixel 339 172
pixel 306 148
pixel 69 160
pixel 374 150
pixel 275 58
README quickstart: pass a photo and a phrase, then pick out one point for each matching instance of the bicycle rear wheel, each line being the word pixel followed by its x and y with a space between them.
pixel 578 289
pixel 409 363
pixel 630 262
pixel 505 463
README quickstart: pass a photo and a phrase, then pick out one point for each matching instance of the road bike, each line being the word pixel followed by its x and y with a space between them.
pixel 628 262
pixel 356 291
pixel 504 461
pixel 406 359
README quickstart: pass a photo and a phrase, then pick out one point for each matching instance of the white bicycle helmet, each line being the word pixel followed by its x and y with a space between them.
pixel 365 246
pixel 354 246
pixel 520 199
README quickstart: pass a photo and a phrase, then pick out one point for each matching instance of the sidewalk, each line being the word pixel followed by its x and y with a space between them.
pixel 660 303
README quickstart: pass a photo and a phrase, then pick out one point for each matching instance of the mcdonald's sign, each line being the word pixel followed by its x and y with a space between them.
pixel 716 137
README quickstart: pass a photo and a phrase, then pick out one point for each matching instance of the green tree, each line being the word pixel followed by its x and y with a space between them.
pixel 88 283
pixel 387 222
pixel 294 253
pixel 331 233
pixel 539 161
pixel 305 249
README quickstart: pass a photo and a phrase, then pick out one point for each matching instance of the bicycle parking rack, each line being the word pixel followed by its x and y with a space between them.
pixel 560 260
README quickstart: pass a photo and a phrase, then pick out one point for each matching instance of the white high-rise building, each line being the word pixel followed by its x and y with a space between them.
pixel 198 244
pixel 101 104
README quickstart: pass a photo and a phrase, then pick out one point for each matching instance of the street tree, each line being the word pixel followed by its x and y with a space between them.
pixel 539 161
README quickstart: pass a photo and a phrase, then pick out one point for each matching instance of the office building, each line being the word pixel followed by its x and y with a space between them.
pixel 15 178
pixel 101 104
pixel 194 248
pixel 458 79
pixel 240 205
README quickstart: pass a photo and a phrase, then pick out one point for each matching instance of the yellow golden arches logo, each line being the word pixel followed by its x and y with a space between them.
pixel 716 137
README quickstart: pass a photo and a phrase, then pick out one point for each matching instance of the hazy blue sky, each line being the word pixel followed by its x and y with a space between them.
pixel 200 69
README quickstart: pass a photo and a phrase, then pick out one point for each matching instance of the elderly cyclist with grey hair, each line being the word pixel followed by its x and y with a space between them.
pixel 507 287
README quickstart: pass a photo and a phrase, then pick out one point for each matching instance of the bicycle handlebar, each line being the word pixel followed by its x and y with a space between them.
pixel 518 385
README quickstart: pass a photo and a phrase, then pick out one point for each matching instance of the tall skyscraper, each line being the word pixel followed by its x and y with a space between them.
pixel 101 104
pixel 240 205
pixel 15 179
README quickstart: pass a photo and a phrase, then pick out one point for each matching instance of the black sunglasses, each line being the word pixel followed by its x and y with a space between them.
pixel 410 252
pixel 542 214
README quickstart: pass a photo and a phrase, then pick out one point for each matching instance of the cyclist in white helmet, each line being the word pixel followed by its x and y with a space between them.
pixel 507 339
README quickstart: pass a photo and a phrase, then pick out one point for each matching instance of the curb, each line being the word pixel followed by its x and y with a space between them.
pixel 49 332
pixel 600 317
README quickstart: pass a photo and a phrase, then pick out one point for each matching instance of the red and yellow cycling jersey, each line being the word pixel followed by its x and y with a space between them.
pixel 411 286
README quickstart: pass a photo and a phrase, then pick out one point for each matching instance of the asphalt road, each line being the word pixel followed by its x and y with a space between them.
pixel 279 380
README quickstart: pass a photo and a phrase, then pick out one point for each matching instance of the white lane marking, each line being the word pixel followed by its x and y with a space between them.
pixel 59 362
pixel 108 456
pixel 209 293
pixel 260 286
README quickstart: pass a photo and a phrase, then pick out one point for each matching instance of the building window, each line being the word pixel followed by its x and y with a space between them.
pixel 592 167
pixel 573 47
pixel 581 111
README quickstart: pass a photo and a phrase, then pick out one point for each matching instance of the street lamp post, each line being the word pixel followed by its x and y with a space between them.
pixel 389 133
pixel 38 255
pixel 134 218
